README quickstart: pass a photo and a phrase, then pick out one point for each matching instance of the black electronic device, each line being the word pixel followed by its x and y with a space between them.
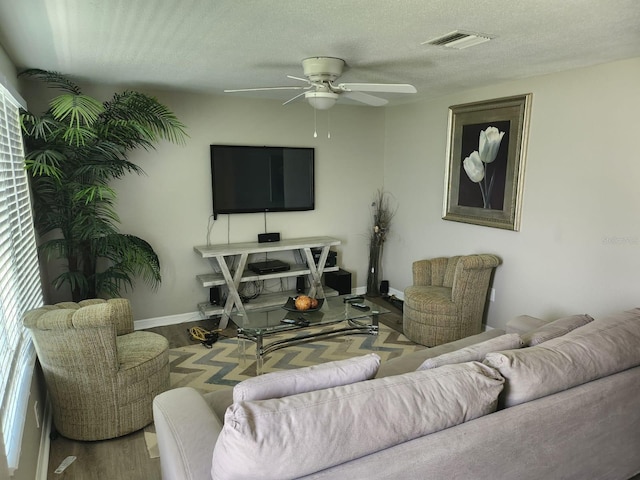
pixel 269 266
pixel 332 257
pixel 214 295
pixel 384 287
pixel 360 306
pixel 300 284
pixel 249 179
pixel 268 237
pixel 300 321
pixel 340 281
pixel 353 299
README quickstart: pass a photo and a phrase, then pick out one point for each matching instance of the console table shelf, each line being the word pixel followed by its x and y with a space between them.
pixel 264 300
pixel 209 280
pixel 232 279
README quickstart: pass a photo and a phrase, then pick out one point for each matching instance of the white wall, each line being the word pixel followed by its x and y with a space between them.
pixel 578 250
pixel 171 206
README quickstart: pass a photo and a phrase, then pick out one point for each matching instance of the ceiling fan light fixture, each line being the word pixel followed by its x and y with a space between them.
pixel 321 100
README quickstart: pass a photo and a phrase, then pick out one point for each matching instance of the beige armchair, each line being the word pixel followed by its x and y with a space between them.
pixel 447 299
pixel 101 375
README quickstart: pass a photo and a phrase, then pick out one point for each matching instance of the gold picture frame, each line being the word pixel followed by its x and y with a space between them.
pixel 486 150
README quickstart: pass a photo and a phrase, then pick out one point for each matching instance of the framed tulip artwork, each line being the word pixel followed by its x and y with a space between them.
pixel 485 161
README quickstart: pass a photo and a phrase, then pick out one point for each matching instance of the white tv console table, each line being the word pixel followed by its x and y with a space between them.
pixel 232 279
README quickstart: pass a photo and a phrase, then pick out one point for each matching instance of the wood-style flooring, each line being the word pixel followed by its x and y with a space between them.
pixel 126 458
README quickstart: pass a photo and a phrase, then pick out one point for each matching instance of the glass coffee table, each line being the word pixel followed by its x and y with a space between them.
pixel 261 324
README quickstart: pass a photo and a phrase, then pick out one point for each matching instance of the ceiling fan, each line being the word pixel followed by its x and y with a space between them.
pixel 321 90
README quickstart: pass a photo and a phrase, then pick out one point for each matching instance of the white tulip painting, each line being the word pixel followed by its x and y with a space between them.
pixel 475 165
pixel 489 144
pixel 486 151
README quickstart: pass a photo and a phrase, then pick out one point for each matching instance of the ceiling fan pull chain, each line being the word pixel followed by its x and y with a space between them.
pixel 315 124
pixel 328 124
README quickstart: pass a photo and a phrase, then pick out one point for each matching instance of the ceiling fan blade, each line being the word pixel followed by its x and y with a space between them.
pixel 377 87
pixel 292 99
pixel 366 98
pixel 258 89
pixel 305 80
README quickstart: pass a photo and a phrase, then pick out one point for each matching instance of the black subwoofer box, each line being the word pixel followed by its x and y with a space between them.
pixel 340 281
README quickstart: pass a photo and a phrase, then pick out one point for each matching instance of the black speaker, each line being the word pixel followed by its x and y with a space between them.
pixel 300 284
pixel 268 237
pixel 214 295
pixel 340 281
pixel 384 287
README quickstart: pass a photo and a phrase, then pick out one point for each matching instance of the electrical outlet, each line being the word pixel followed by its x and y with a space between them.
pixel 36 410
pixel 492 297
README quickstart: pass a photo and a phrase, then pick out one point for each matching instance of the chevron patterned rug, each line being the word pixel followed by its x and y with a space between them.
pixel 222 366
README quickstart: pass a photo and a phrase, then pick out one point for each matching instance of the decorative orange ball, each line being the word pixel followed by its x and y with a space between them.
pixel 303 302
pixel 314 303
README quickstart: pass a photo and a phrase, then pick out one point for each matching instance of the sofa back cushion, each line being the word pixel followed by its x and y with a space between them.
pixel 598 349
pixel 554 329
pixel 474 353
pixel 300 434
pixel 307 379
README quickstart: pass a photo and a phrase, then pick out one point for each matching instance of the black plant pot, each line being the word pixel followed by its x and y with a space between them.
pixel 373 274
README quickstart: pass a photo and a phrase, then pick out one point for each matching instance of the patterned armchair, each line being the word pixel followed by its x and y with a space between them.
pixel 101 375
pixel 447 299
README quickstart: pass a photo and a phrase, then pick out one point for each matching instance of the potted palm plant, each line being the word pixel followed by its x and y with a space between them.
pixel 73 151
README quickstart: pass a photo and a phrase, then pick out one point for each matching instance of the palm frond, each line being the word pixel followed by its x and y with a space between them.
pixel 155 118
pixel 92 193
pixel 75 280
pixel 52 79
pixel 54 248
pixel 39 128
pixel 44 163
pixel 103 171
pixel 112 281
pixel 79 112
pixel 132 254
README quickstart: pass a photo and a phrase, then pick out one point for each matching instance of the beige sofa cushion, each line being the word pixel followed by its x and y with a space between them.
pixel 555 329
pixel 475 352
pixel 587 353
pixel 307 379
pixel 297 435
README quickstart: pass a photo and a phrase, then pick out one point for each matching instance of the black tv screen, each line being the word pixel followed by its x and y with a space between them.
pixel 248 179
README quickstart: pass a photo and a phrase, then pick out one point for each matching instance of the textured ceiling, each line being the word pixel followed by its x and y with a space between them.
pixel 212 45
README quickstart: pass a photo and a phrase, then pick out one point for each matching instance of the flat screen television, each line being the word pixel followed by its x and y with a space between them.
pixel 250 179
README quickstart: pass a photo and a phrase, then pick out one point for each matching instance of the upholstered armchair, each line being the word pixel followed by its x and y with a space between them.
pixel 101 375
pixel 447 299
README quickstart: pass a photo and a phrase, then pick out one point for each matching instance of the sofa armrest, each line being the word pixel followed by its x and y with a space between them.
pixel 187 431
pixel 524 323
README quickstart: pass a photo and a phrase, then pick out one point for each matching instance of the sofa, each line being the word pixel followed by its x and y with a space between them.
pixel 560 401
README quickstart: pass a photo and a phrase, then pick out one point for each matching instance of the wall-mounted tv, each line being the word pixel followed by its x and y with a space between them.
pixel 248 179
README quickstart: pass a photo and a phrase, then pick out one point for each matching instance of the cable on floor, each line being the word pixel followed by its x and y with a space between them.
pixel 205 337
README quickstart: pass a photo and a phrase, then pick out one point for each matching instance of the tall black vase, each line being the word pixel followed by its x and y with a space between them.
pixel 373 274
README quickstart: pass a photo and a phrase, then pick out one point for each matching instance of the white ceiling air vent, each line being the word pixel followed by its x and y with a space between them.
pixel 458 40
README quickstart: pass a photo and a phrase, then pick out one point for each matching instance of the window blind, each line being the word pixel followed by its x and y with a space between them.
pixel 20 287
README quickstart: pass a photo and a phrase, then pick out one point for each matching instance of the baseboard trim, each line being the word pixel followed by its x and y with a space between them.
pixel 42 469
pixel 398 293
pixel 167 320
